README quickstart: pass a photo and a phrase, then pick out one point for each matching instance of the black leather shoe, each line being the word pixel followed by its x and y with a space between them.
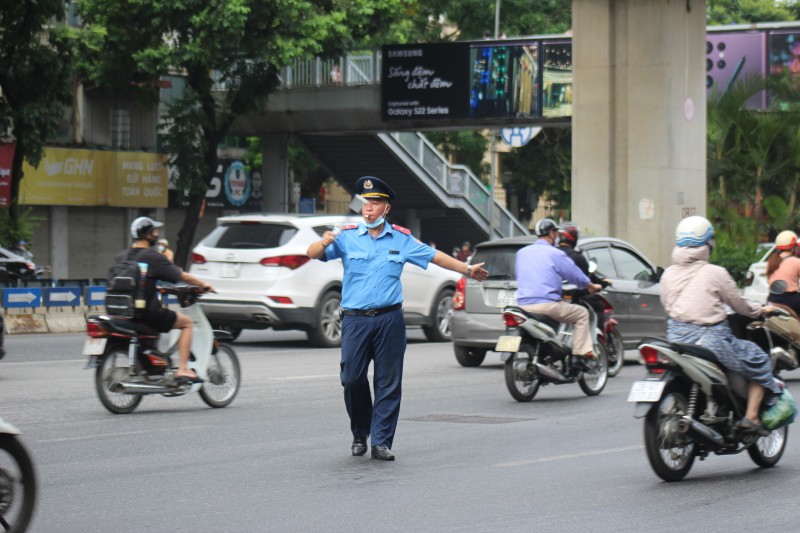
pixel 359 446
pixel 579 363
pixel 381 452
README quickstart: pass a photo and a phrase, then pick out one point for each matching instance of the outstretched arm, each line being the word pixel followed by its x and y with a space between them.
pixel 451 263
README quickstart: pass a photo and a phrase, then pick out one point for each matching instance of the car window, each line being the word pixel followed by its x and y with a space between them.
pixel 602 258
pixel 249 236
pixel 630 266
pixel 500 260
pixel 319 230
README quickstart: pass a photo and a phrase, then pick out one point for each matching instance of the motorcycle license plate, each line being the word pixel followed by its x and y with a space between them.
pixel 94 347
pixel 506 297
pixel 508 343
pixel 646 391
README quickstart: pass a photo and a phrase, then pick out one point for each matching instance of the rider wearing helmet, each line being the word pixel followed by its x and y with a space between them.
pixel 567 240
pixel 540 270
pixel 783 265
pixel 144 233
pixel 695 294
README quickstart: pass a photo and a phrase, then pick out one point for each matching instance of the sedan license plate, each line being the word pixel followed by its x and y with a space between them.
pixel 230 270
pixel 94 347
pixel 646 391
pixel 508 343
pixel 506 297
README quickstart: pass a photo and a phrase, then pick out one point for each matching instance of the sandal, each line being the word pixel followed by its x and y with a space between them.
pixel 745 424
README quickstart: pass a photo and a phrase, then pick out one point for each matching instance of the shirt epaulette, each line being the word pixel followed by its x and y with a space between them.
pixel 401 229
pixel 349 226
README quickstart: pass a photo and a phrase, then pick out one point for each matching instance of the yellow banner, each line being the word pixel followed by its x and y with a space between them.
pixel 141 180
pixel 69 176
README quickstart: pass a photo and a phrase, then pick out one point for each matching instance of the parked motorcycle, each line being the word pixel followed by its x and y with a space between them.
pixel 537 351
pixel 17 481
pixel 129 364
pixel 692 406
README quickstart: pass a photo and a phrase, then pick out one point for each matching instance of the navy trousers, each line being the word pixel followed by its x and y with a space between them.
pixel 382 340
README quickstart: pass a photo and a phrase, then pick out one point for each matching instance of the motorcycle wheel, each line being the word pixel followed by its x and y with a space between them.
pixel 670 454
pixel 224 378
pixel 113 368
pixel 767 451
pixel 593 381
pixel 522 377
pixel 616 352
pixel 17 485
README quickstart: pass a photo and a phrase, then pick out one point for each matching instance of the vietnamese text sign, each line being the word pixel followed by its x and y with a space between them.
pixel 6 160
pixel 141 180
pixel 62 296
pixel 27 297
pixel 425 81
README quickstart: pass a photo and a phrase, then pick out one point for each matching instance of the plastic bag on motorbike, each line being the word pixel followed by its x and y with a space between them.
pixel 782 413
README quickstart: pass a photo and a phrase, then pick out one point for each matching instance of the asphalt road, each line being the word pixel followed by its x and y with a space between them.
pixel 469 458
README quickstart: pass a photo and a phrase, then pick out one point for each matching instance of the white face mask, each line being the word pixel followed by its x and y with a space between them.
pixel 161 248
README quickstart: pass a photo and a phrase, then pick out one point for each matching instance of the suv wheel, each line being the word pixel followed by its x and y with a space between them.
pixel 467 356
pixel 327 329
pixel 442 310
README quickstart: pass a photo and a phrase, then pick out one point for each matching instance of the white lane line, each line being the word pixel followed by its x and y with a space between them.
pixel 121 434
pixel 554 458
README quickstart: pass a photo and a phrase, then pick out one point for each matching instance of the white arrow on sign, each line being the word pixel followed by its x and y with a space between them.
pixel 26 297
pixel 62 296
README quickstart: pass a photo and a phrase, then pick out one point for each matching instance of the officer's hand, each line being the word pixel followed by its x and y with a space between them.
pixel 327 238
pixel 607 282
pixel 594 287
pixel 479 273
pixel 206 287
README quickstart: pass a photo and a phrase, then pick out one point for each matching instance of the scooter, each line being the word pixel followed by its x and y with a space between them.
pixel 611 337
pixel 536 351
pixel 17 481
pixel 129 364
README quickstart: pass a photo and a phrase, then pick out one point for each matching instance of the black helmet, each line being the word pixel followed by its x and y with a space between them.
pixel 142 226
pixel 568 232
pixel 544 227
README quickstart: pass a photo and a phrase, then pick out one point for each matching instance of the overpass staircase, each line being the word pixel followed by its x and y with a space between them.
pixel 439 201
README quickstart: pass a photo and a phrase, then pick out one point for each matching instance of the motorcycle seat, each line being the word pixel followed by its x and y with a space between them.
pixel 787 309
pixel 540 318
pixel 134 328
pixel 691 349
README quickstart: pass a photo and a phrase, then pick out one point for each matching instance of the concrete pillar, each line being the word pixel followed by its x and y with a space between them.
pixel 275 174
pixel 59 239
pixel 639 119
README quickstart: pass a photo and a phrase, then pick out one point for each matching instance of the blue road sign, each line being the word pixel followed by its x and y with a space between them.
pixel 517 137
pixel 22 297
pixel 62 296
pixel 95 296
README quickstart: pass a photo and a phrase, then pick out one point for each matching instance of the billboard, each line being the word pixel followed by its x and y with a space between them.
pixel 424 81
pixel 731 57
pixel 504 80
pixel 6 160
pixel 232 187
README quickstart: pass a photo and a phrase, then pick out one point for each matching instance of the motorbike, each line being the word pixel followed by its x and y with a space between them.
pixel 780 336
pixel 691 407
pixel 129 365
pixel 17 481
pixel 536 350
pixel 611 337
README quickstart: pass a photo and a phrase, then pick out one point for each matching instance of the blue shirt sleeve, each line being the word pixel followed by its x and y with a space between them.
pixel 336 249
pixel 418 253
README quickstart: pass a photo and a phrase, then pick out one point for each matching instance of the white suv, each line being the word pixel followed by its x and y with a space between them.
pixel 263 278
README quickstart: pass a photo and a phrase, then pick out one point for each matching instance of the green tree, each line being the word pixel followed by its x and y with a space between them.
pixel 463 147
pixel 722 12
pixel 229 51
pixel 35 54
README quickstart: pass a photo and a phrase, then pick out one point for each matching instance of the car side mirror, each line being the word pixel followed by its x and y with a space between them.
pixel 659 273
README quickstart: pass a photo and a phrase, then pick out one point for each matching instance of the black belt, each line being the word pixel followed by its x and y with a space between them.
pixel 371 312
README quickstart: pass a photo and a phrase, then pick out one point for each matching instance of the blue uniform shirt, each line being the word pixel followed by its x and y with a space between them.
pixel 372 267
pixel 540 270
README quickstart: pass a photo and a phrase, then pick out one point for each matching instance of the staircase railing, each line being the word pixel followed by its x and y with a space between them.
pixel 458 181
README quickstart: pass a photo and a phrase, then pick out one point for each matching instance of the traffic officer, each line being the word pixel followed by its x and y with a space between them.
pixel 373 254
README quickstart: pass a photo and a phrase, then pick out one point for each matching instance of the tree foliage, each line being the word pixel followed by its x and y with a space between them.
pixel 35 86
pixel 229 52
pixel 723 12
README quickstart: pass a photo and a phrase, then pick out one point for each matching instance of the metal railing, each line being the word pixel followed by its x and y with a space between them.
pixel 356 68
pixel 459 181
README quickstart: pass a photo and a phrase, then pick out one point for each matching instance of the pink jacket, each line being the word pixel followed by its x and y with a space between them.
pixel 694 291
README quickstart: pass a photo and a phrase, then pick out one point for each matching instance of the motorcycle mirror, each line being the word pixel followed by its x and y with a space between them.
pixel 592 267
pixel 777 287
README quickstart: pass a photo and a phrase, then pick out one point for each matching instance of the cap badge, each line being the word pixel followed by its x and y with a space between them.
pixel 367 184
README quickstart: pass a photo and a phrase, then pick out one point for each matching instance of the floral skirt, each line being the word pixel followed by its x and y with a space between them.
pixel 738 356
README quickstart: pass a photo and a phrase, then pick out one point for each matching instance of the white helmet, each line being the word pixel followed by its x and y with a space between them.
pixel 693 231
pixel 786 240
pixel 142 226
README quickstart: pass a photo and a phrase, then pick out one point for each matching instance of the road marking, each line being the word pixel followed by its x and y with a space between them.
pixel 554 458
pixel 70 361
pixel 123 433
